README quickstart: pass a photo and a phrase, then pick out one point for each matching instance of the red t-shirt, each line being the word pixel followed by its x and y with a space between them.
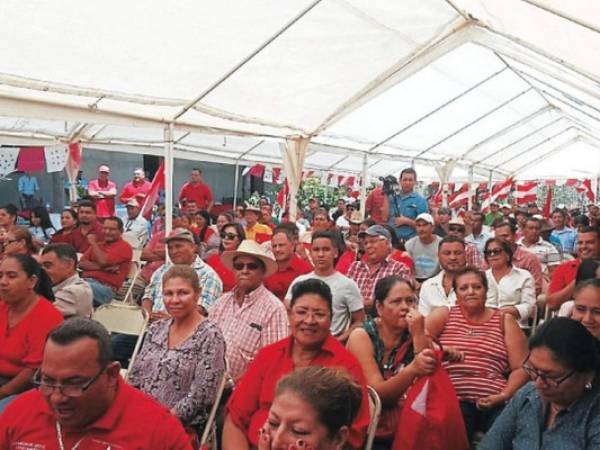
pixel 22 346
pixel 105 207
pixel 374 204
pixel 200 192
pixel 563 275
pixel 137 191
pixel 226 275
pixel 249 404
pixel 402 257
pixel 133 421
pixel 79 240
pixel 117 253
pixel 345 261
pixel 280 281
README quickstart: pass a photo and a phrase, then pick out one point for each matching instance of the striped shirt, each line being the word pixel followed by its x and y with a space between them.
pixel 482 372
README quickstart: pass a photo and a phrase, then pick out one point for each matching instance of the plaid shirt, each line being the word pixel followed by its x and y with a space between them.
pixel 366 280
pixel 473 257
pixel 260 321
pixel 210 284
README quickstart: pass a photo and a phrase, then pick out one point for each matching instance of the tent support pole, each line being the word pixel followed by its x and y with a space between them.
pixel 236 184
pixel 168 177
pixel 471 170
pixel 363 185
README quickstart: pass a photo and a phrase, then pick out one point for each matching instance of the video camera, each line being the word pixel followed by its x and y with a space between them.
pixel 390 184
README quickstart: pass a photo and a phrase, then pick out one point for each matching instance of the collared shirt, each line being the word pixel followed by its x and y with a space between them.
pixel 28 185
pixel 132 421
pixel 410 206
pixel 137 190
pixel 73 297
pixel 474 258
pixel 479 240
pixel 547 253
pixel 517 289
pixel 433 295
pixel 249 404
pixel 366 280
pixel 105 207
pixel 79 240
pixel 374 204
pixel 567 238
pixel 259 321
pixel 280 281
pixel 118 253
pixel 210 284
pixel 521 426
pixel 138 229
pixel 258 232
pixel 526 260
pixel 199 192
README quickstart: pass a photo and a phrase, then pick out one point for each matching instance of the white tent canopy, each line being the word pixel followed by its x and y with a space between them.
pixel 504 87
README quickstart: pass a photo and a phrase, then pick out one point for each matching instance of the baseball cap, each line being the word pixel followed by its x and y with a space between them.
pixel 505 205
pixel 180 234
pixel 133 202
pixel 426 217
pixel 104 168
pixel 457 221
pixel 377 230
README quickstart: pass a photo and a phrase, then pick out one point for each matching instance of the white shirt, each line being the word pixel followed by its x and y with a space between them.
pixel 433 295
pixel 547 253
pixel 517 289
pixel 137 229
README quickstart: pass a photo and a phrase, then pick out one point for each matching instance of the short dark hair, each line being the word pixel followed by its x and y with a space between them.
pixel 312 286
pixel 451 239
pixel 64 252
pixel 596 231
pixel 383 286
pixel 559 211
pixel 75 328
pixel 408 171
pixel 506 248
pixel 570 343
pixel 197 169
pixel 581 219
pixel 333 393
pixel 289 229
pixel 587 283
pixel 505 223
pixel 533 219
pixel 470 271
pixel 586 270
pixel 118 221
pixel 87 204
pixel 11 210
pixel 325 234
pixel 477 214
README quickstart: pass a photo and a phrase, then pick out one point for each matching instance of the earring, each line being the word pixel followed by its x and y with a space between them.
pixel 588 385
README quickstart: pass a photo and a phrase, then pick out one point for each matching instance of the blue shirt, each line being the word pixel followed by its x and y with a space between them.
pixel 410 206
pixel 567 238
pixel 28 185
pixel 479 241
pixel 521 426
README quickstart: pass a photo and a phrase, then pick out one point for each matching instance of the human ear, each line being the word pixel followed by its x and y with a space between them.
pixel 340 438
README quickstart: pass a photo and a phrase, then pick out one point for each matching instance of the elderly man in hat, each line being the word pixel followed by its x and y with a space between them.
pixel 376 265
pixel 103 191
pixel 423 248
pixel 256 231
pixel 182 250
pixel 136 226
pixel 249 316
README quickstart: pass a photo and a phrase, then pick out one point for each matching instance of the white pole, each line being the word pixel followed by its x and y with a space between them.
pixel 363 186
pixel 471 171
pixel 168 178
pixel 236 183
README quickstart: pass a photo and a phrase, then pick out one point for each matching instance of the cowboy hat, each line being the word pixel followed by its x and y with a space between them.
pixel 250 248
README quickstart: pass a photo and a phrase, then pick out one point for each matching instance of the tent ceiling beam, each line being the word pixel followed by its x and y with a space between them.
pixel 244 61
pixel 439 108
pixel 536 145
pixel 474 121
pixel 564 102
pixel 562 15
pixel 521 122
pixel 536 161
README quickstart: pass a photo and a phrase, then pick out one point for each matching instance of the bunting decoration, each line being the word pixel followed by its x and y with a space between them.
pixel 526 192
pixel 459 198
pixel 8 160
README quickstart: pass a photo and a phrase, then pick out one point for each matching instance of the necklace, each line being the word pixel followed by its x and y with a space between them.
pixel 61 444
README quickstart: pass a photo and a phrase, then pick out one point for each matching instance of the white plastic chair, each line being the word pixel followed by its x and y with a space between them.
pixel 209 435
pixel 375 414
pixel 124 319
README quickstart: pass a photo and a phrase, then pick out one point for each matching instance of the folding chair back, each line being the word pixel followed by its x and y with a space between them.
pixel 210 428
pixel 124 319
pixel 375 413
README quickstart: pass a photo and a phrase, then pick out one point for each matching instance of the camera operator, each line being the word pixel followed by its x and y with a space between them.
pixel 402 205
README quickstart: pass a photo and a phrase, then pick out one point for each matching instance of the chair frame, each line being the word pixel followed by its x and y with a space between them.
pixel 375 413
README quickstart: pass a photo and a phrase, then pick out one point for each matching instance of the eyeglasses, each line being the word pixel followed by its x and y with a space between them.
pixel 229 236
pixel 68 389
pixel 11 241
pixel 493 252
pixel 554 382
pixel 249 266
pixel 304 314
pixel 460 229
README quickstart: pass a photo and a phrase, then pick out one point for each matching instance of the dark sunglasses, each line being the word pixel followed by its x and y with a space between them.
pixel 459 228
pixel 249 266
pixel 229 236
pixel 493 252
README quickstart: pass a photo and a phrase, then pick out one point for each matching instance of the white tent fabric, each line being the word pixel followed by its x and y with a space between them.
pixel 504 87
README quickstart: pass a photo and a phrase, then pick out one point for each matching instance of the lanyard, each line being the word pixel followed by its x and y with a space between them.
pixel 61 444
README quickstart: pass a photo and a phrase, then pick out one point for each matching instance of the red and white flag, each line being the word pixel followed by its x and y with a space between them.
pixel 499 192
pixel 526 192
pixel 158 183
pixel 460 197
pixel 584 186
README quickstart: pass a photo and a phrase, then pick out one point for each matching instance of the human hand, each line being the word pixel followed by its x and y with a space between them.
pixel 424 363
pixel 491 401
pixel 112 269
pixel 511 310
pixel 158 315
pixel 416 321
pixel 398 221
pixel 453 354
pixel 92 238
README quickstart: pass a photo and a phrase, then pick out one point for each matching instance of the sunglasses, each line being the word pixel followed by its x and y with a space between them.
pixel 249 266
pixel 229 236
pixel 459 228
pixel 493 252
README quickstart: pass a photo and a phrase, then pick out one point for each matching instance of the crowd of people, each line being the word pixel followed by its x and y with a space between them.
pixel 299 318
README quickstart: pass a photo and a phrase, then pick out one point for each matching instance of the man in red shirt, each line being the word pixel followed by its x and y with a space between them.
pixel 88 224
pixel 196 190
pixel 374 205
pixel 562 284
pixel 106 263
pixel 289 266
pixel 82 402
pixel 103 191
pixel 137 188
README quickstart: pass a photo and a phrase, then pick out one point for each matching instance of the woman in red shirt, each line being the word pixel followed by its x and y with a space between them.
pixel 232 235
pixel 68 222
pixel 26 318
